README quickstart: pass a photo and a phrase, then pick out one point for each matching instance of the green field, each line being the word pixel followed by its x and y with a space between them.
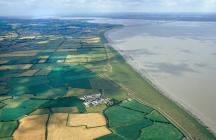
pixel 7 128
pixel 159 131
pixel 128 120
pixel 124 117
pixel 65 102
pixel 96 109
pixel 111 137
pixel 16 109
pixel 134 105
pixel 132 131
pixel 156 116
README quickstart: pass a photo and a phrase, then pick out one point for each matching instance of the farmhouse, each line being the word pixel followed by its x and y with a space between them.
pixel 95 99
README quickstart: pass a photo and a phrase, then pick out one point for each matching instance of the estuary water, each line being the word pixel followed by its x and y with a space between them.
pixel 179 57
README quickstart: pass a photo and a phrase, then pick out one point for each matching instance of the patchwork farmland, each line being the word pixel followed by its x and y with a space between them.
pixel 45 70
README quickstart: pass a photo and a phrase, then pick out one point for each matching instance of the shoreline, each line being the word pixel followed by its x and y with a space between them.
pixel 130 61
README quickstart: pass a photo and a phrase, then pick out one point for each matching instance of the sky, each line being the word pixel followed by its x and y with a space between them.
pixel 69 7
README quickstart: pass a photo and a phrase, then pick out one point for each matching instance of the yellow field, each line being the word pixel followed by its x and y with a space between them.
pixel 14 67
pixel 43 72
pixel 65 110
pixel 82 58
pixel 76 59
pixel 43 59
pixel 28 37
pixel 3 61
pixel 92 40
pixel 43 42
pixel 5 97
pixel 28 73
pixel 12 103
pixel 66 50
pixel 57 130
pixel 24 53
pixel 31 128
pixel 60 61
pixel 40 112
pixel 89 120
pixel 17 54
pixel 96 109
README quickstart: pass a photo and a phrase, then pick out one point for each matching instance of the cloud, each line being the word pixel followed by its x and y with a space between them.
pixel 62 7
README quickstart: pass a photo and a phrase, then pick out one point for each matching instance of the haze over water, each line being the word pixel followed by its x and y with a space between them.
pixel 178 56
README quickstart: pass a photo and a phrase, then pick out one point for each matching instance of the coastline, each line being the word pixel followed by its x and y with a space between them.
pixel 135 66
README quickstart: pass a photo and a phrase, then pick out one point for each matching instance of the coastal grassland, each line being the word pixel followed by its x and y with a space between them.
pixel 156 116
pixel 140 89
pixel 99 83
pixel 80 92
pixel 98 69
pixel 118 94
pixel 134 105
